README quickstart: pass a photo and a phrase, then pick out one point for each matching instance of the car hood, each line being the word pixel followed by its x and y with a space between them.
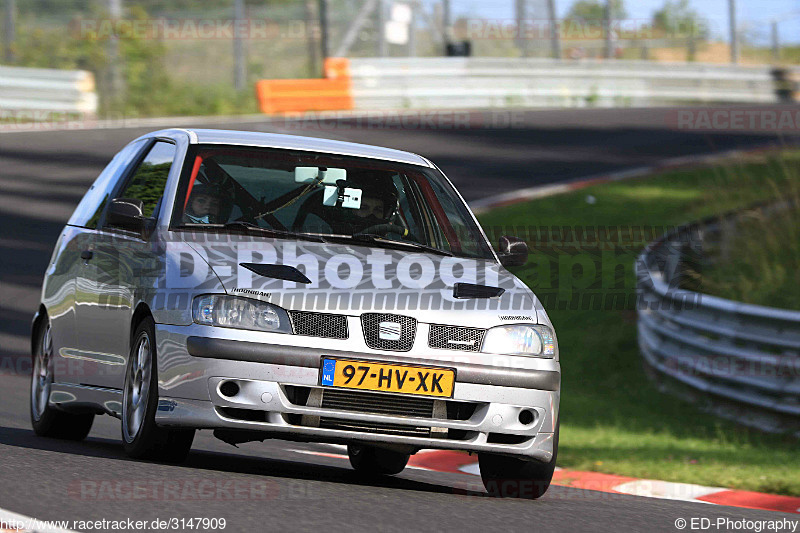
pixel 350 279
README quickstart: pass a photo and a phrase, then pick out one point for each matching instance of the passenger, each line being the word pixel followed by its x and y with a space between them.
pixel 203 206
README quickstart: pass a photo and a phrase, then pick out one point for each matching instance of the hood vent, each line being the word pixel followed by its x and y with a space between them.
pixel 284 272
pixel 469 290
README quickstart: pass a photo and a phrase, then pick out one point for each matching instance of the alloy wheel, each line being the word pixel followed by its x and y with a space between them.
pixel 137 388
pixel 42 374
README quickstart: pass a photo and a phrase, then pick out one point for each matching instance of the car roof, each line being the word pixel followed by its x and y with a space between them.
pixel 294 142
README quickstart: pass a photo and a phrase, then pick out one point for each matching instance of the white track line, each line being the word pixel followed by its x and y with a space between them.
pixel 666 490
pixel 340 447
pixel 474 469
pixel 471 468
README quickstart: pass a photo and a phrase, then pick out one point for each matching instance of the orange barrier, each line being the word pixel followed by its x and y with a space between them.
pixel 328 94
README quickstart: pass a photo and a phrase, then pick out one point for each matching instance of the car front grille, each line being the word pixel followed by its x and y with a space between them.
pixel 319 324
pixel 455 338
pixel 374 427
pixel 330 402
pixel 373 331
pixel 377 403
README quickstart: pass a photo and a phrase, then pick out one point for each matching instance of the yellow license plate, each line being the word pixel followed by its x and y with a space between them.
pixel 386 377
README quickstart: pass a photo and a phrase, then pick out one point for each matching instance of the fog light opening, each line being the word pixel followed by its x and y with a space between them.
pixel 526 417
pixel 229 389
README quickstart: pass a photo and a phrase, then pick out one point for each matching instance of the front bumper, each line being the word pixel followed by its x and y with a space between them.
pixel 194 360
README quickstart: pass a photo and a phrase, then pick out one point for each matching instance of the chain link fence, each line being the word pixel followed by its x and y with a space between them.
pixel 203 56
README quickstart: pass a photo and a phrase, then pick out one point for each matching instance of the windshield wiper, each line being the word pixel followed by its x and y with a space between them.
pixel 249 226
pixel 369 238
pixel 273 232
pixel 377 239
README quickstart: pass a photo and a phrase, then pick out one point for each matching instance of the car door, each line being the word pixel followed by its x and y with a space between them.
pixel 117 261
pixel 66 268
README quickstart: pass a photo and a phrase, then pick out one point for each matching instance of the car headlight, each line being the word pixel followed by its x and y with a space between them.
pixel 242 313
pixel 520 340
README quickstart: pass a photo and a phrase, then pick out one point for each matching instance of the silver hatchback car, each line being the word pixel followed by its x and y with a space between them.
pixel 272 286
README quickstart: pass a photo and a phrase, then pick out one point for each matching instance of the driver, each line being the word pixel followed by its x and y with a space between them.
pixel 372 210
pixel 204 205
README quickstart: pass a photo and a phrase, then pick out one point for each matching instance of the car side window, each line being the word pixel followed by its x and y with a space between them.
pixel 150 178
pixel 94 201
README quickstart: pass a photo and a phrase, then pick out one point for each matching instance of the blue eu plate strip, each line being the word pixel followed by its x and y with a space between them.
pixel 328 369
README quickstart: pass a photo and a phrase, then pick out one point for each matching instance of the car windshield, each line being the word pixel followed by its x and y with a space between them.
pixel 282 193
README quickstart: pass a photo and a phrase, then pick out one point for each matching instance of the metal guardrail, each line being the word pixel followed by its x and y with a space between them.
pixel 740 361
pixel 420 83
pixel 39 90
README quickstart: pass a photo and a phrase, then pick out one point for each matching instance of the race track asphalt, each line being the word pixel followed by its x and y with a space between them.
pixel 44 174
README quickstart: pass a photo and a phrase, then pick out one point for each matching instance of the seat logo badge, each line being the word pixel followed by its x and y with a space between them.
pixel 389 331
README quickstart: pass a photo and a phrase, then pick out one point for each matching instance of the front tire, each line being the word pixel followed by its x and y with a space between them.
pixel 373 461
pixel 47 421
pixel 510 477
pixel 141 437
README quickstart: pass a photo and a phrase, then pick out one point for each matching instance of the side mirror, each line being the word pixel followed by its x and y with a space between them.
pixel 513 251
pixel 126 213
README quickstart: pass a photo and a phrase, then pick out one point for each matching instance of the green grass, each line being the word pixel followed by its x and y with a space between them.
pixel 613 419
pixel 758 258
